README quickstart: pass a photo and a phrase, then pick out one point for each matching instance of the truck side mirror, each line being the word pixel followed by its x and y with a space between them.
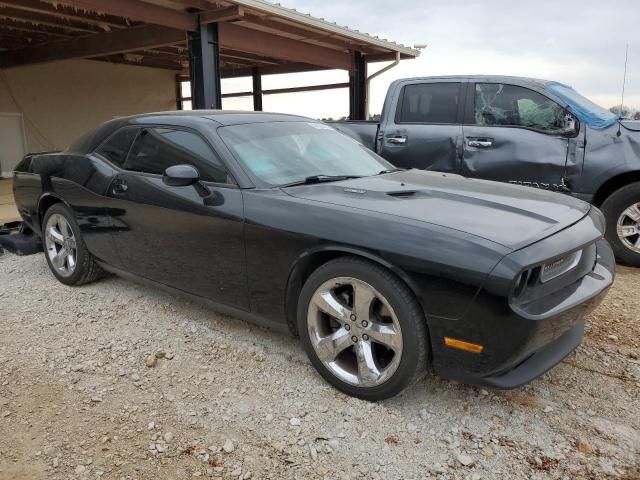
pixel 570 124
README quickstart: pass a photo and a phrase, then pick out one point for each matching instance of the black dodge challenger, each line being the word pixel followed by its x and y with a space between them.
pixel 283 220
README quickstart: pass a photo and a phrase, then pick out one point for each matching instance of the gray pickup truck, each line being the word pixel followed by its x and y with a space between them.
pixel 536 133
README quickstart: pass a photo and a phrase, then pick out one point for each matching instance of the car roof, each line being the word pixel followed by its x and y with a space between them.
pixel 222 117
pixel 487 78
pixel 180 118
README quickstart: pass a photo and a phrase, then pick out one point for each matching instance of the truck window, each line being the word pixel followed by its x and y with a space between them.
pixel 429 103
pixel 510 105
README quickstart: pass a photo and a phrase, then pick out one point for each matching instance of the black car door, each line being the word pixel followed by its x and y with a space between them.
pixel 426 130
pixel 515 134
pixel 190 238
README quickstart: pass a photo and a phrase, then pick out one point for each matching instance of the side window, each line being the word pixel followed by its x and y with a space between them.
pixel 115 149
pixel 430 103
pixel 157 149
pixel 501 104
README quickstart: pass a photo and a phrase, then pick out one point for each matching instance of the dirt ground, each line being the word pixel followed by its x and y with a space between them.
pixel 118 381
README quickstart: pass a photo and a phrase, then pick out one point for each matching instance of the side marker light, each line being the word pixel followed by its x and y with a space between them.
pixel 462 345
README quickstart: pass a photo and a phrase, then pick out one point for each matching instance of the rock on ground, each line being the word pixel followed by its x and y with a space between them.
pixel 230 400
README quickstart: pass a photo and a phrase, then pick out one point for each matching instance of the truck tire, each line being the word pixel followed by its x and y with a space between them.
pixel 622 211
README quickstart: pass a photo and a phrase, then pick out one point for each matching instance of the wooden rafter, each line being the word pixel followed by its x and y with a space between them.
pixel 108 43
pixel 25 29
pixel 247 57
pixel 64 12
pixel 33 18
pixel 145 61
pixel 221 15
pixel 276 69
pixel 191 4
pixel 138 11
pixel 260 43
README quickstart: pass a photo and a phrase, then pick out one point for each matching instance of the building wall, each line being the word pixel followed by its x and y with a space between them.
pixel 62 100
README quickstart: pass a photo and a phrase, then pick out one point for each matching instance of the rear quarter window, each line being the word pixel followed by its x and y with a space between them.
pixel 435 103
pixel 117 146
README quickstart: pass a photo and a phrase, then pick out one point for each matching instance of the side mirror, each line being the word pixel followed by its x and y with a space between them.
pixel 181 176
pixel 570 124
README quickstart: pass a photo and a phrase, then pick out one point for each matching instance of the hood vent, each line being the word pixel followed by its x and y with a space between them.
pixel 404 194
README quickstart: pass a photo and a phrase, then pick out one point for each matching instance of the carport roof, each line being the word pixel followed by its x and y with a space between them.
pixel 252 33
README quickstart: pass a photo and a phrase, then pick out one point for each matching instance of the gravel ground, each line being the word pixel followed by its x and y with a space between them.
pixel 116 380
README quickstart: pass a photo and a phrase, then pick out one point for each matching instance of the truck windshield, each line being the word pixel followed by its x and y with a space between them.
pixel 587 112
pixel 281 153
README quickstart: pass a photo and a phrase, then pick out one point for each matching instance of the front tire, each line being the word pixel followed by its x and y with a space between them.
pixel 622 211
pixel 362 328
pixel 65 250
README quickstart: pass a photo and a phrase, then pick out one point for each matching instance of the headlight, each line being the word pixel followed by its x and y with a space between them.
pixel 554 269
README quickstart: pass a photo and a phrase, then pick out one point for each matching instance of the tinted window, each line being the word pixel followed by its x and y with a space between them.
pixel 500 104
pixel 430 103
pixel 115 149
pixel 157 149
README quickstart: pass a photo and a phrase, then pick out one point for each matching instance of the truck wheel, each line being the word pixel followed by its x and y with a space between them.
pixel 622 211
pixel 362 329
pixel 67 255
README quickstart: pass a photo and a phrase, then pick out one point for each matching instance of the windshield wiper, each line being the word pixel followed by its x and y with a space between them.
pixel 320 179
pixel 389 170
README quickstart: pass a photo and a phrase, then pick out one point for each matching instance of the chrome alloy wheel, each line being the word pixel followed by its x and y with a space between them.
pixel 629 227
pixel 60 243
pixel 354 331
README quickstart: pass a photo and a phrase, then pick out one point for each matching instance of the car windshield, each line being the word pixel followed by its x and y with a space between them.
pixel 281 153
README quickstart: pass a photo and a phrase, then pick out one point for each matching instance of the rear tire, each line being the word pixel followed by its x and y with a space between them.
pixel 622 212
pixel 362 328
pixel 65 250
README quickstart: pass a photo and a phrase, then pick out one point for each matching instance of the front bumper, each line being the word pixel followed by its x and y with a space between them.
pixel 519 346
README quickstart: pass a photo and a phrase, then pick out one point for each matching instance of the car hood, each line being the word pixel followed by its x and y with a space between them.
pixel 510 215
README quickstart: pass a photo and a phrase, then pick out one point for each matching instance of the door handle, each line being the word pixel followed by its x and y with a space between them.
pixel 119 187
pixel 397 140
pixel 480 142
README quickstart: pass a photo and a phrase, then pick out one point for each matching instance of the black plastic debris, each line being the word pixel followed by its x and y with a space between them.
pixel 17 238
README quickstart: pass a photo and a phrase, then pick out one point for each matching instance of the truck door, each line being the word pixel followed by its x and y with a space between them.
pixel 515 134
pixel 424 127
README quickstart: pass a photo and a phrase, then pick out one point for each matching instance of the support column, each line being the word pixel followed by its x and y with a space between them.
pixel 257 89
pixel 204 68
pixel 358 87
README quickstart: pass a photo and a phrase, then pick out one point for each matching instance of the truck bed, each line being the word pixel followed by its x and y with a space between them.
pixel 363 131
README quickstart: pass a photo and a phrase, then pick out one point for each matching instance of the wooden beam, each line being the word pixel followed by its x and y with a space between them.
pixel 118 41
pixel 144 62
pixel 191 4
pixel 222 15
pixel 305 33
pixel 272 70
pixel 247 57
pixel 260 43
pixel 138 11
pixel 64 11
pixel 34 37
pixel 24 27
pixel 33 18
pixel 275 91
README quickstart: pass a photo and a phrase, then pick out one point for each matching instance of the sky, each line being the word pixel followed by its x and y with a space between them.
pixel 580 43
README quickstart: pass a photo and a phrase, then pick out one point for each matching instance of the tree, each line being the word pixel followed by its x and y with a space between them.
pixel 621 110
